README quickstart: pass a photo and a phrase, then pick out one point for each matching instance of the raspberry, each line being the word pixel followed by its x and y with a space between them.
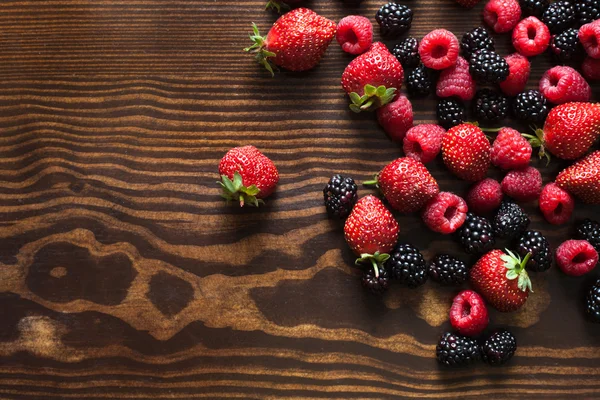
pixel 556 204
pixel 354 34
pixel 523 184
pixel 445 213
pixel 468 314
pixel 423 142
pixel 589 36
pixel 439 49
pixel 396 118
pixel 531 37
pixel 563 84
pixel 484 196
pixel 591 68
pixel 502 15
pixel 456 81
pixel 510 150
pixel 576 257
pixel 519 69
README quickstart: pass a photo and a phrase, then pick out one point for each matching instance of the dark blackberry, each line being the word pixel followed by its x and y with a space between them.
pixel 340 195
pixel 476 39
pixel 376 282
pixel 535 243
pixel 450 112
pixel 407 266
pixel 559 16
pixel 499 348
pixel 476 234
pixel 590 230
pixel 419 82
pixel 592 303
pixel 490 105
pixel 530 106
pixel 448 270
pixel 566 46
pixel 455 350
pixel 510 220
pixel 587 11
pixel 407 52
pixel 533 7
pixel 487 66
pixel 394 19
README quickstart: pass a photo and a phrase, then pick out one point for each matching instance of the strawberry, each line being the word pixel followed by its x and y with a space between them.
pixel 296 41
pixel 466 152
pixel 582 179
pixel 569 131
pixel 406 184
pixel 371 231
pixel 502 280
pixel 373 78
pixel 247 175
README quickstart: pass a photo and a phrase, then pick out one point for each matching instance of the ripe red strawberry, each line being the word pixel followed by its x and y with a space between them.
pixel 569 131
pixel 502 280
pixel 466 152
pixel 296 41
pixel 373 78
pixel 582 179
pixel 247 175
pixel 406 184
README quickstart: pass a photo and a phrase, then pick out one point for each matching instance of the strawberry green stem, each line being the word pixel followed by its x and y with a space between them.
pixel 375 267
pixel 377 260
pixel 259 48
pixel 516 269
pixel 373 182
pixel 537 141
pixel 491 130
pixel 234 190
pixel 373 97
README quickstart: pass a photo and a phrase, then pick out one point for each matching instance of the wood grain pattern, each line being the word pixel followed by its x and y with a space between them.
pixel 123 275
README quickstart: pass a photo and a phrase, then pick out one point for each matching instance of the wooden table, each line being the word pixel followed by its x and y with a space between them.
pixel 125 276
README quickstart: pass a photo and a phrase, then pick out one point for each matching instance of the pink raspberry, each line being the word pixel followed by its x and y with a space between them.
pixel 589 36
pixel 576 257
pixel 563 84
pixel 396 118
pixel 591 68
pixel 484 196
pixel 439 49
pixel 445 213
pixel 502 15
pixel 510 150
pixel 556 204
pixel 355 34
pixel 468 314
pixel 531 37
pixel 456 81
pixel 423 142
pixel 519 69
pixel 523 184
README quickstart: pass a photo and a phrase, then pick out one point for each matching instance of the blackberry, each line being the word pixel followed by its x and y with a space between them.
pixel 490 105
pixel 419 82
pixel 476 234
pixel 407 52
pixel 376 284
pixel 535 243
pixel 340 195
pixel 448 270
pixel 530 106
pixel 454 350
pixel 590 230
pixel 394 19
pixel 566 46
pixel 450 112
pixel 499 348
pixel 559 16
pixel 476 39
pixel 592 303
pixel 407 266
pixel 510 220
pixel 587 11
pixel 487 66
pixel 533 7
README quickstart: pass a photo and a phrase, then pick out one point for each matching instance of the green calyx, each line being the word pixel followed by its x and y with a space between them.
pixel 373 98
pixel 377 260
pixel 373 182
pixel 537 141
pixel 516 269
pixel 234 190
pixel 262 55
pixel 277 5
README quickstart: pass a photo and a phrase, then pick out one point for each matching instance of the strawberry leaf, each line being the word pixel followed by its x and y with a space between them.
pixel 234 190
pixel 511 274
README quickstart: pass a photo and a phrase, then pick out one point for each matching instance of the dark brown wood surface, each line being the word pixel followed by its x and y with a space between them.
pixel 123 274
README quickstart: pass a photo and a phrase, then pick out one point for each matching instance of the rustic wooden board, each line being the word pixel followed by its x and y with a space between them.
pixel 123 274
